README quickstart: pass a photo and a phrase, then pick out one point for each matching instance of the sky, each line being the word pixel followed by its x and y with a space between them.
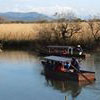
pixel 49 7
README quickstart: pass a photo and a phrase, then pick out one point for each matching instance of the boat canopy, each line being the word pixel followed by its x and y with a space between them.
pixel 57 58
pixel 61 47
pixel 69 48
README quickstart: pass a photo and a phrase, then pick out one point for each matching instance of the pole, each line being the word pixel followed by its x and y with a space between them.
pixel 81 74
pixel 65 97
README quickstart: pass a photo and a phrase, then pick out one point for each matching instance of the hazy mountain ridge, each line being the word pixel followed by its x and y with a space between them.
pixel 17 16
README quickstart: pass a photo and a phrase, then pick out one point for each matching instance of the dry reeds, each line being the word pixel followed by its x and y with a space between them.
pixel 19 32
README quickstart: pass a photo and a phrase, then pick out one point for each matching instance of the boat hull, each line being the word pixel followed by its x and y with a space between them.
pixel 74 76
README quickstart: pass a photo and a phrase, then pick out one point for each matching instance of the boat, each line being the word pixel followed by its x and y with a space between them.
pixel 66 51
pixel 50 62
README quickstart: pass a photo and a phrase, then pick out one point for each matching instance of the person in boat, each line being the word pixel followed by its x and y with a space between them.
pixel 79 50
pixel 64 52
pixel 60 68
pixel 67 65
pixel 63 69
pixel 75 65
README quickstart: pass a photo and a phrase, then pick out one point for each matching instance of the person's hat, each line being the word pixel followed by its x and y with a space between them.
pixel 78 46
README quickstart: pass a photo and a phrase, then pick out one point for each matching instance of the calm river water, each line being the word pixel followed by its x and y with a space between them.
pixel 21 79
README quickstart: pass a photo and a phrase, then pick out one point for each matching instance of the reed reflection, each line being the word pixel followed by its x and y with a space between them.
pixel 16 56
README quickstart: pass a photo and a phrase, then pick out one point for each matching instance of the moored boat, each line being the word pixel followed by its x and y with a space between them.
pixel 65 51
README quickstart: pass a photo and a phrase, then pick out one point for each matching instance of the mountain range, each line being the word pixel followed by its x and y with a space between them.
pixel 30 16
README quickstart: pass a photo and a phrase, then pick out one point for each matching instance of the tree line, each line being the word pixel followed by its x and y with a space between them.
pixel 64 33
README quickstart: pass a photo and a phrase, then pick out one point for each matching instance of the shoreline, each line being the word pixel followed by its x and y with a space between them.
pixel 36 47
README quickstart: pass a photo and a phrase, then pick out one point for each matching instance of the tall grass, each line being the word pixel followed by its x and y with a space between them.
pixel 33 32
pixel 30 31
pixel 18 31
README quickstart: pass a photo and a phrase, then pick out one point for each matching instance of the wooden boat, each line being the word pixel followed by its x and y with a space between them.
pixel 49 71
pixel 66 51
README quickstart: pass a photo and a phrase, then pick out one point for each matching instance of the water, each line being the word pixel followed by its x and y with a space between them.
pixel 21 79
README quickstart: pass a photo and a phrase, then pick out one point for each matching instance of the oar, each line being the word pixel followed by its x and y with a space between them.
pixel 82 74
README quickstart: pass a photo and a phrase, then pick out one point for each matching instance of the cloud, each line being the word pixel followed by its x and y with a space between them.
pixel 50 10
pixel 46 10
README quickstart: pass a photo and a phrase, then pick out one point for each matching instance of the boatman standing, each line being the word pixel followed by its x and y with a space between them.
pixel 79 49
pixel 75 65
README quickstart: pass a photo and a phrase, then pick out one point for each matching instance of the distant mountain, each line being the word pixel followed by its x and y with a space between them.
pixel 31 16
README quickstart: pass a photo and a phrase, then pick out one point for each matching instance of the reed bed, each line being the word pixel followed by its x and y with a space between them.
pixel 20 32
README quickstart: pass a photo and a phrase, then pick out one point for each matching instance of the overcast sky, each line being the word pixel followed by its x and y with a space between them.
pixel 80 7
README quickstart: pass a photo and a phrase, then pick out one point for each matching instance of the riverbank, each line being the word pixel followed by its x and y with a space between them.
pixel 36 36
pixel 37 46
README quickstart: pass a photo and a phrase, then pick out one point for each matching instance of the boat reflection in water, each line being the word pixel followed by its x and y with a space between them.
pixel 70 87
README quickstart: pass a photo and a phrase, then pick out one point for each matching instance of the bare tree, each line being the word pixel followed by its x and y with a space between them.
pixel 69 15
pixel 66 30
pixel 95 30
pixel 74 29
pixel 59 32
